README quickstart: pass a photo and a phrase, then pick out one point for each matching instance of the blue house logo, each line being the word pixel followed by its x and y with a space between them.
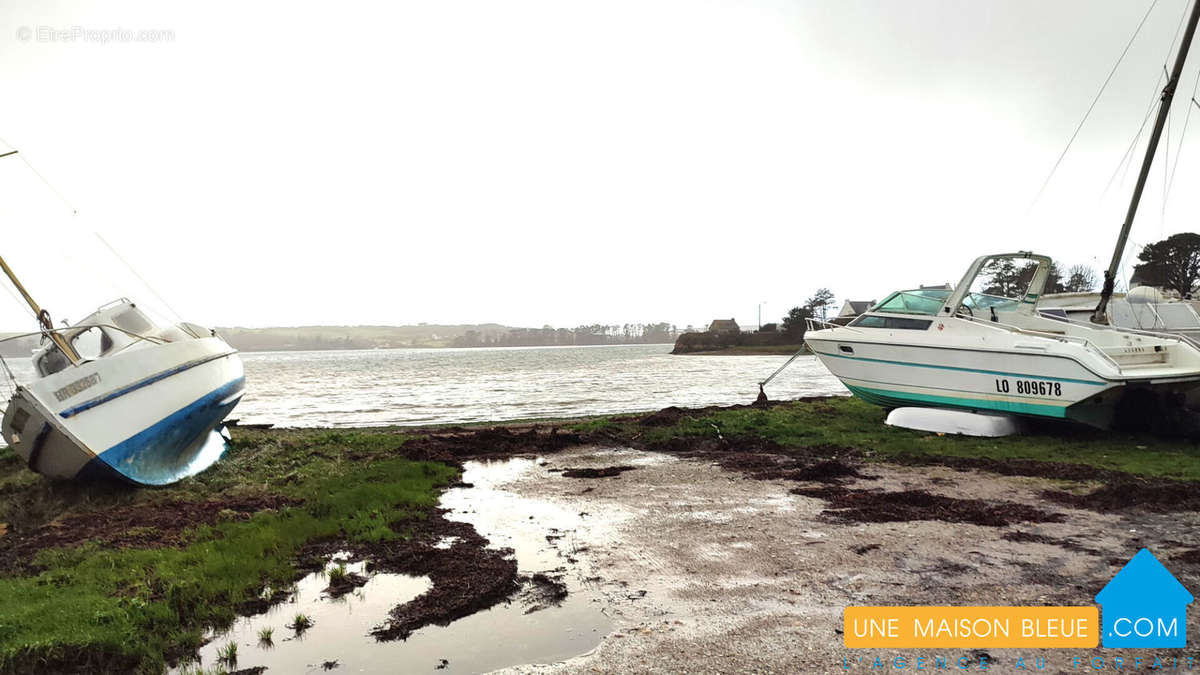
pixel 1144 606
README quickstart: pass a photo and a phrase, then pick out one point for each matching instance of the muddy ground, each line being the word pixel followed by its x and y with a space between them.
pixel 711 570
pixel 730 555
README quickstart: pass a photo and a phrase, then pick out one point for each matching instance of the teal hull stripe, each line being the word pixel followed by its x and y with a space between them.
pixel 926 386
pixel 887 398
pixel 966 370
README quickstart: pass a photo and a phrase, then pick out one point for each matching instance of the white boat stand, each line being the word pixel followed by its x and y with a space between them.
pixel 943 421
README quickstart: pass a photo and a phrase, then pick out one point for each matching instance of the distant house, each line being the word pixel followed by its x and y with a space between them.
pixel 1144 606
pixel 853 308
pixel 724 327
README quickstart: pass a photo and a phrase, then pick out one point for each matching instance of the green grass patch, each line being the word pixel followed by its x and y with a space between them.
pixel 121 610
pixel 124 609
pixel 854 423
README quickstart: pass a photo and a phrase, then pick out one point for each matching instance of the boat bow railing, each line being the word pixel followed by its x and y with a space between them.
pixel 821 324
pixel 1177 337
pixel 1075 339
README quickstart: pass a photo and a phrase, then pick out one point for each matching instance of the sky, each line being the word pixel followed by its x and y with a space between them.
pixel 565 162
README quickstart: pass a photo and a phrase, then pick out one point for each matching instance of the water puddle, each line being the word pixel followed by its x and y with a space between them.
pixel 536 626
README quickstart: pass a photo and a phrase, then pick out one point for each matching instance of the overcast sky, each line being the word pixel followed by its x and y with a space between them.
pixel 564 162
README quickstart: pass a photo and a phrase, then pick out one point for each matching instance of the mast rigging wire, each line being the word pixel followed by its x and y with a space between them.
pixel 139 276
pixel 40 177
pixel 75 212
pixel 1182 138
pixel 1133 144
pixel 1095 100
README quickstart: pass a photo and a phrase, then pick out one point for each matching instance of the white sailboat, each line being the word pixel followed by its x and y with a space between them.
pixel 985 347
pixel 118 395
pixel 1142 308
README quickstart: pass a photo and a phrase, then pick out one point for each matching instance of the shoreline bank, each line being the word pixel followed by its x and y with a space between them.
pixel 751 350
pixel 282 499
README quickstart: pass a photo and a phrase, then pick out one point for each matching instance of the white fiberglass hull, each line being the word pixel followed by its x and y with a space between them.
pixel 896 374
pixel 146 415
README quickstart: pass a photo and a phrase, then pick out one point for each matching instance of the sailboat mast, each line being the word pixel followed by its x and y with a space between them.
pixel 1164 109
pixel 43 316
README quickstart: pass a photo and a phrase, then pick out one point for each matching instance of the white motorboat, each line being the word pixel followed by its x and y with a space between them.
pixel 984 346
pixel 972 350
pixel 118 395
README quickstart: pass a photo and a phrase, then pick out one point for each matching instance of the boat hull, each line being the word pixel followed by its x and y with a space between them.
pixel 895 375
pixel 146 417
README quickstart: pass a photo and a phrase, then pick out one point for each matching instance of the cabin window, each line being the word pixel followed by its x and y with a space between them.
pixel 91 343
pixel 923 301
pixel 896 322
pixel 133 321
pixel 52 362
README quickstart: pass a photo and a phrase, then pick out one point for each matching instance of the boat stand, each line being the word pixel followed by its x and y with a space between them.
pixel 942 421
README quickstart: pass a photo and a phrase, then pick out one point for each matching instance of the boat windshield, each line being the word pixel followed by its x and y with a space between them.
pixel 985 301
pixel 921 301
pixel 1001 284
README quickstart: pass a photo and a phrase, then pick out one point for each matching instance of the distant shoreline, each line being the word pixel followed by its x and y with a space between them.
pixel 752 350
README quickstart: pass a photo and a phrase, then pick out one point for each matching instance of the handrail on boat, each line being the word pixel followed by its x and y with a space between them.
pixel 1136 331
pixel 1084 342
pixel 148 338
pixel 812 321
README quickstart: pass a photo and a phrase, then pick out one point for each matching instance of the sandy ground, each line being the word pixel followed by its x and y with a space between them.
pixel 705 570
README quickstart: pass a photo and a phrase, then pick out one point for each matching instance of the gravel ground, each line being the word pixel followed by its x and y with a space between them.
pixel 705 570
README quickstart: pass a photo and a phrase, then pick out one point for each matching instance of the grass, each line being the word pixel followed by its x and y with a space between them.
pixel 337 574
pixel 101 608
pixel 266 635
pixel 301 623
pixel 96 608
pixel 228 653
pixel 851 422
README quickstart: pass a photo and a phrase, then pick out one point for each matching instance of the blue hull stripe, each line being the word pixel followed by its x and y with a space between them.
pixel 144 382
pixel 967 370
pixel 166 451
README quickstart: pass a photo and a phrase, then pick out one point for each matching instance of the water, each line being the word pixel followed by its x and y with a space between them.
pixel 507 634
pixel 436 386
pixel 433 386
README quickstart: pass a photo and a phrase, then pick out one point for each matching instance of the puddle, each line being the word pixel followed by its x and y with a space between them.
pixel 527 630
pixel 337 623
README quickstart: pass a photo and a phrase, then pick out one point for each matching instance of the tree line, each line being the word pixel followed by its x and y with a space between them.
pixel 815 307
pixel 1009 279
pixel 595 334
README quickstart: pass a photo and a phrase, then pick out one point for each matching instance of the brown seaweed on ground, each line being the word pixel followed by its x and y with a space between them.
pixel 1157 495
pixel 872 506
pixel 603 472
pixel 466 576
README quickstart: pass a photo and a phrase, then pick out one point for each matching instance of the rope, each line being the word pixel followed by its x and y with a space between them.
pixel 1156 98
pixel 780 369
pixel 1129 151
pixel 140 278
pixel 1091 107
pixel 1162 216
pixel 1182 138
pixel 75 212
pixel 40 177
